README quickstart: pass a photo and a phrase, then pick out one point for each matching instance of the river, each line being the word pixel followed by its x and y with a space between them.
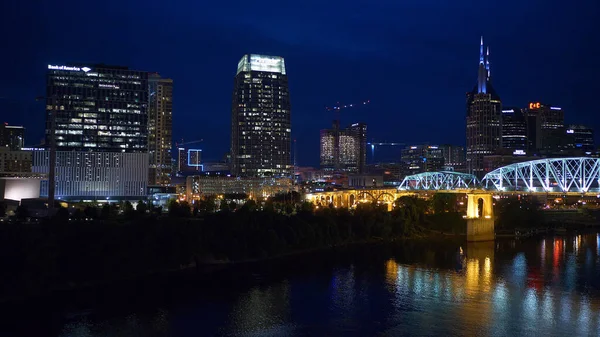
pixel 546 286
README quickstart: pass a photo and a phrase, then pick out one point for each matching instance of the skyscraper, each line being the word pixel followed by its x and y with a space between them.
pixel 260 118
pixel 581 137
pixel 514 129
pixel 344 149
pixel 12 136
pixel 546 129
pixel 454 157
pixel 99 116
pixel 484 117
pixel 422 158
pixel 99 108
pixel 359 131
pixel 160 129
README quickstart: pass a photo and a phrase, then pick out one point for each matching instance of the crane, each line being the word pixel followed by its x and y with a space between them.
pixel 187 143
pixel 337 109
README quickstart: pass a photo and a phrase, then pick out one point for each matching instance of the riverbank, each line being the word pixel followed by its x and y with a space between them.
pixel 47 257
pixel 210 269
pixel 58 256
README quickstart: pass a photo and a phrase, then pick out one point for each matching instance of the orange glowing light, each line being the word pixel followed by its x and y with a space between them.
pixel 535 105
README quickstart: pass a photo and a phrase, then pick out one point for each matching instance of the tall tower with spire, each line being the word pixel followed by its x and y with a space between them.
pixel 484 113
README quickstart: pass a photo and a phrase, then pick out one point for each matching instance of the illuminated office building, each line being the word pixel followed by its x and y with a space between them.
pixel 260 118
pixel 100 116
pixel 484 118
pixel 160 129
pixel 454 158
pixel 12 137
pixel 546 127
pixel 422 158
pixel 514 129
pixel 328 143
pixel 344 149
pixel 97 108
pixel 91 175
pixel 581 137
pixel 181 159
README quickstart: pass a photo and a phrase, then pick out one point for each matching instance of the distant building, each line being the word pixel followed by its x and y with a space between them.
pixel 181 159
pixel 97 108
pixel 260 118
pixel 219 167
pixel 189 161
pixel 254 187
pixel 514 129
pixel 454 158
pixel 392 172
pixel 304 174
pixel 422 158
pixel 365 181
pixel 545 129
pixel 194 159
pixel 12 137
pixel 14 161
pixel 484 118
pixel 503 158
pixel 95 175
pixel 581 137
pixel 160 129
pixel 100 114
pixel 344 149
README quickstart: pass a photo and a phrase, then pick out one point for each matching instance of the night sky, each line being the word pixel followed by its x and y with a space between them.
pixel 414 59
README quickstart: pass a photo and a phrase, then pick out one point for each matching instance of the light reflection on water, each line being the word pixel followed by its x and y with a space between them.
pixel 545 287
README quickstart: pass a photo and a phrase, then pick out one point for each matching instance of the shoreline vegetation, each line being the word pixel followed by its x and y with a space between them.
pixel 95 246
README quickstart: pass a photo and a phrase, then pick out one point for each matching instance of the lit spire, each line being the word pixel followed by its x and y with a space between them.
pixel 481 75
pixel 487 62
pixel 481 51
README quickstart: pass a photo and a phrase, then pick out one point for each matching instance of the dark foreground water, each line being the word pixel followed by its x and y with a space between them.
pixel 539 287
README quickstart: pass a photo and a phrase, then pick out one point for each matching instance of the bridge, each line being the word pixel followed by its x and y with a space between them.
pixel 573 176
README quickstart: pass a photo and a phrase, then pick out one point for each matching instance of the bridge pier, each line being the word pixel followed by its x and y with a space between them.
pixel 480 217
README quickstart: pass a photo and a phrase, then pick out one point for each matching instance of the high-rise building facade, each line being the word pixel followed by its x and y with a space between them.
pixel 160 129
pixel 422 158
pixel 328 154
pixel 546 127
pixel 484 118
pixel 181 159
pixel 12 136
pixel 514 129
pixel 99 108
pixel 581 137
pixel 344 149
pixel 359 131
pixel 260 118
pixel 14 161
pixel 454 157
pixel 91 175
pixel 100 120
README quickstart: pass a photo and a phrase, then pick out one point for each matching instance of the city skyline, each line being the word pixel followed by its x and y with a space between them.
pixel 201 110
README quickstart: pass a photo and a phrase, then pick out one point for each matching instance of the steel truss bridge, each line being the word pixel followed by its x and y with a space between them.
pixel 576 175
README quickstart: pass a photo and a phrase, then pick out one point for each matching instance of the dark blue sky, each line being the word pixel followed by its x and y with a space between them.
pixel 414 59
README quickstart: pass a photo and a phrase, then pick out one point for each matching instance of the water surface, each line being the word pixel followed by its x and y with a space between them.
pixel 544 287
